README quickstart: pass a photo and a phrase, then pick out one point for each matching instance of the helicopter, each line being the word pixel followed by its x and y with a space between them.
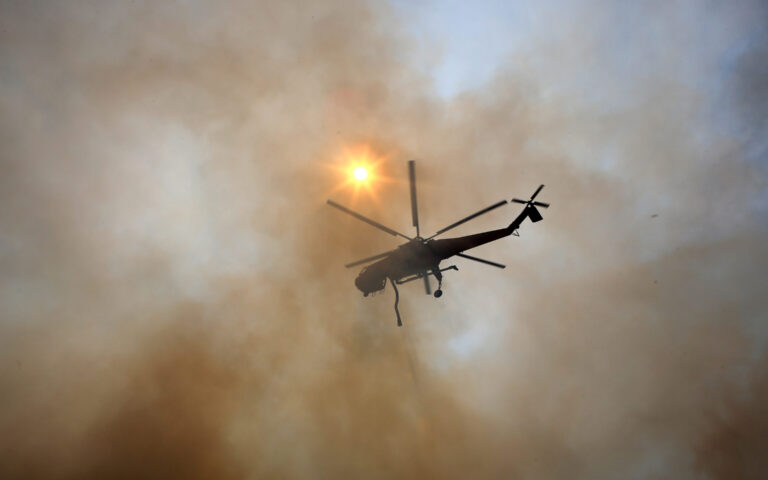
pixel 419 257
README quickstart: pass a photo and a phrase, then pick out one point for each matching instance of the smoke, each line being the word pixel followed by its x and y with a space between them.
pixel 173 301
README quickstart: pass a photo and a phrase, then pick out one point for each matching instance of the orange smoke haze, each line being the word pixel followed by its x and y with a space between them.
pixel 173 301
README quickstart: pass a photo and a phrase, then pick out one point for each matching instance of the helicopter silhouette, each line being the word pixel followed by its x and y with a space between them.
pixel 420 257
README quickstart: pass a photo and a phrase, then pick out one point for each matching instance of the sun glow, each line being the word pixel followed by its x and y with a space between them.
pixel 360 171
pixel 360 174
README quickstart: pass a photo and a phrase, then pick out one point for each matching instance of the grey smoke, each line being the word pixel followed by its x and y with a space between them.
pixel 172 296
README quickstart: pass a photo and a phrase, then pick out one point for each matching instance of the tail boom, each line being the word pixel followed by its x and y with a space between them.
pixel 451 246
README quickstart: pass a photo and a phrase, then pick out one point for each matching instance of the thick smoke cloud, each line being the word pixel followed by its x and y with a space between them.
pixel 172 296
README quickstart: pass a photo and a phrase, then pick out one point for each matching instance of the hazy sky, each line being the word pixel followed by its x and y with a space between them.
pixel 472 41
pixel 466 44
pixel 173 301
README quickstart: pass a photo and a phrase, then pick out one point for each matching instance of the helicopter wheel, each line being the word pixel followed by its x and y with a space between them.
pixel 438 293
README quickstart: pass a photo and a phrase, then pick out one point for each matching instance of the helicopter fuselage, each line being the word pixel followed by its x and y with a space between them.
pixel 419 257
pixel 410 258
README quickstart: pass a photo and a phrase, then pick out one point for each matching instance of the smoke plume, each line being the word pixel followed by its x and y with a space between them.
pixel 173 302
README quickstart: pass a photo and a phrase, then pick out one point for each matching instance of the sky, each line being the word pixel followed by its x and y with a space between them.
pixel 467 43
pixel 173 297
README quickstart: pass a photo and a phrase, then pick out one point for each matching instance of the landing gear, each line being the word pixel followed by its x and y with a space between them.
pixel 436 271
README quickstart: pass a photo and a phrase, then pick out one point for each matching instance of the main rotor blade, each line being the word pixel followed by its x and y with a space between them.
pixel 537 192
pixel 466 219
pixel 487 262
pixel 369 259
pixel 366 220
pixel 426 284
pixel 541 204
pixel 409 279
pixel 414 205
pixel 517 200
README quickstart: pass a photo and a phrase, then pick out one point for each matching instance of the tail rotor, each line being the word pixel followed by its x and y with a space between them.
pixel 531 204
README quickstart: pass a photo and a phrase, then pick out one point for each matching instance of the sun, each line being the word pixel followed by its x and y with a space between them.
pixel 360 174
pixel 360 171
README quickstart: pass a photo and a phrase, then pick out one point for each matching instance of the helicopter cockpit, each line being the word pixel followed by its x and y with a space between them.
pixel 371 279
